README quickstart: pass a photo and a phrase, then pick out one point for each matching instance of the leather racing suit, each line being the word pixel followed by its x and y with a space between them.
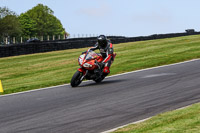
pixel 107 54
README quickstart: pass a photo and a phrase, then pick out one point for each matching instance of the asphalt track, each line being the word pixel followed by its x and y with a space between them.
pixel 93 108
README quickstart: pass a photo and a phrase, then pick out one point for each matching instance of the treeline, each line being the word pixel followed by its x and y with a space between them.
pixel 38 21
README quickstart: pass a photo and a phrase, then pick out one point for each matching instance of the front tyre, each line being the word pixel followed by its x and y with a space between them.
pixel 76 79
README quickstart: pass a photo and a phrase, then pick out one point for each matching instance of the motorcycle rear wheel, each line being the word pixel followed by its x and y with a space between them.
pixel 100 79
pixel 76 79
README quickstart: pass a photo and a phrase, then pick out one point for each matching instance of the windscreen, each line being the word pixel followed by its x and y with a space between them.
pixel 91 55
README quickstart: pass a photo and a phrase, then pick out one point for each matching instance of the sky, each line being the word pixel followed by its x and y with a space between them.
pixel 118 17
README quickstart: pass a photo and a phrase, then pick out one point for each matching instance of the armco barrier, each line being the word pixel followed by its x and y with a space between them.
pixel 46 46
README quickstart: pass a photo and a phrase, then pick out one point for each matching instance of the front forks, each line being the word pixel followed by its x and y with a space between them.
pixel 83 77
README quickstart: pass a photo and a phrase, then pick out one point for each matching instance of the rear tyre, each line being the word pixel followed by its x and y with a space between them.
pixel 76 79
pixel 99 79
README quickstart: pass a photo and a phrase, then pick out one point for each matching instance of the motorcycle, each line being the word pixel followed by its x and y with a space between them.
pixel 90 68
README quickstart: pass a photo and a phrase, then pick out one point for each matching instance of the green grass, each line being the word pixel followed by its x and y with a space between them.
pixel 185 120
pixel 35 71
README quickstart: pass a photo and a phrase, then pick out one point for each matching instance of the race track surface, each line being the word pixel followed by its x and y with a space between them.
pixel 93 108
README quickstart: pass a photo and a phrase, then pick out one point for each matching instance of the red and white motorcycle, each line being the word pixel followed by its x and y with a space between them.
pixel 89 68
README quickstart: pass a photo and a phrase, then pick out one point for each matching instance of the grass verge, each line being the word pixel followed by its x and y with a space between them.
pixel 185 120
pixel 27 72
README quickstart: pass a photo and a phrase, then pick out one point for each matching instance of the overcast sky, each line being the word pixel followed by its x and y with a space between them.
pixel 118 17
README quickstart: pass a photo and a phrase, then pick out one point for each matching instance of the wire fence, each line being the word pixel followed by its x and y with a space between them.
pixel 19 40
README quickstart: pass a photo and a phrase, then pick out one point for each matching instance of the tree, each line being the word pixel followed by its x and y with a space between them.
pixel 45 22
pixel 10 26
pixel 4 11
pixel 28 25
pixel 9 23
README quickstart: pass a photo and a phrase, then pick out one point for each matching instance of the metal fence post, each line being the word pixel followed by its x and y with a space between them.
pixel 6 40
pixel 13 40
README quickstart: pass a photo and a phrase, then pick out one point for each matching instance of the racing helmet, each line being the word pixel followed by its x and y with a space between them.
pixel 102 41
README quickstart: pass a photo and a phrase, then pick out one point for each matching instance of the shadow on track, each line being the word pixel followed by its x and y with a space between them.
pixel 103 82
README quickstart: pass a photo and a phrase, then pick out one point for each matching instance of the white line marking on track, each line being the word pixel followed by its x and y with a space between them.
pixel 114 129
pixel 106 77
pixel 136 122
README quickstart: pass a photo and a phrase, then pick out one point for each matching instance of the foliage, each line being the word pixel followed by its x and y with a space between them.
pixel 45 22
pixel 39 21
pixel 9 23
pixel 4 11
pixel 28 25
pixel 10 26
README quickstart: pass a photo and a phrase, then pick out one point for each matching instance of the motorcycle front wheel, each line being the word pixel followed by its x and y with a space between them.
pixel 76 79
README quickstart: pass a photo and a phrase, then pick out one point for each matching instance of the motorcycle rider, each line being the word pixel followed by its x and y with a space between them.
pixel 106 50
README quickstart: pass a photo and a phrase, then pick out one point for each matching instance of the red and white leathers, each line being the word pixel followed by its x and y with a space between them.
pixel 107 54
